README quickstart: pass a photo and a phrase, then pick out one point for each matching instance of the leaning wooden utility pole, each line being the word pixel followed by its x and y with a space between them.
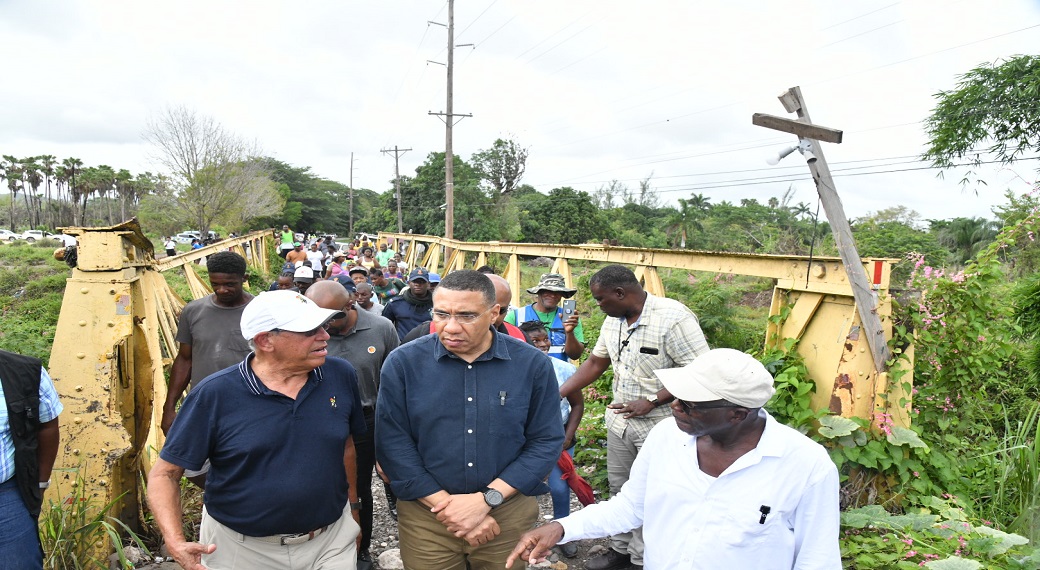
pixel 397 182
pixel 809 136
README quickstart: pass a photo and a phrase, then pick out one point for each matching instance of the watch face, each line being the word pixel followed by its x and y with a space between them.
pixel 493 497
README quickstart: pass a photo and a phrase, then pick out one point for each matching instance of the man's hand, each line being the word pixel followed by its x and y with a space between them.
pixel 484 532
pixel 633 409
pixel 356 515
pixel 461 513
pixel 167 420
pixel 189 554
pixel 570 324
pixel 383 476
pixel 534 545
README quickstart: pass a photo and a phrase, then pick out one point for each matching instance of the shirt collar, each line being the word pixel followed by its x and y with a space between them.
pixel 498 349
pixel 253 382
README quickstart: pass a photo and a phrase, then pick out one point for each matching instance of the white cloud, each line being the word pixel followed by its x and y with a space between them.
pixel 598 90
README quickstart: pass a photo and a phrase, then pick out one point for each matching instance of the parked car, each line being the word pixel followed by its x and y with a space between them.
pixel 186 237
pixel 8 235
pixel 33 235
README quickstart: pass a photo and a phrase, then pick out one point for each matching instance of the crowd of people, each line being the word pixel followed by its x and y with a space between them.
pixel 353 364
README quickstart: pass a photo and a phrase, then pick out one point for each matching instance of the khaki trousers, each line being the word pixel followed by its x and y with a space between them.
pixel 333 549
pixel 427 545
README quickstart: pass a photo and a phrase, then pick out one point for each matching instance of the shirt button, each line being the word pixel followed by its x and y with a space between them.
pixel 470 464
pixel 469 431
pixel 470 399
pixel 470 367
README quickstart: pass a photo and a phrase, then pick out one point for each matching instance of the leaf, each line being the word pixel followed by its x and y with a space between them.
pixel 953 563
pixel 903 436
pixel 836 426
pixel 1004 542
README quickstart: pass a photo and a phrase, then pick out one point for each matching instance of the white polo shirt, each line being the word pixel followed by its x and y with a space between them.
pixel 692 520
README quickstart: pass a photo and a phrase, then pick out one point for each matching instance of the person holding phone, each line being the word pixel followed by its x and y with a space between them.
pixel 566 337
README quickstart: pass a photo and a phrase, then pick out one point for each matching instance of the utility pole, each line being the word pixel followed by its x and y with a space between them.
pixel 351 188
pixel 397 182
pixel 449 121
pixel 809 137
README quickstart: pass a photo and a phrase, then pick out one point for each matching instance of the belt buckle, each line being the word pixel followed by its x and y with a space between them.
pixel 292 539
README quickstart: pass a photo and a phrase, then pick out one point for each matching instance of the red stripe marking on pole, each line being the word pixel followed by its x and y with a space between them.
pixel 877 273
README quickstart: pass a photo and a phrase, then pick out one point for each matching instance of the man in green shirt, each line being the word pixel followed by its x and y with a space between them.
pixel 385 254
pixel 565 332
pixel 384 288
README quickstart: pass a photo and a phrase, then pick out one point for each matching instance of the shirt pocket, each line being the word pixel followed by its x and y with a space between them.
pixel 744 527
pixel 22 414
pixel 509 419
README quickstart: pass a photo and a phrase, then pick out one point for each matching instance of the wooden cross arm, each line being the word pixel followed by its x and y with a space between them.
pixel 795 127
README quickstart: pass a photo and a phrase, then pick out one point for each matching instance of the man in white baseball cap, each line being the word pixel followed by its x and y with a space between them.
pixel 719 485
pixel 278 431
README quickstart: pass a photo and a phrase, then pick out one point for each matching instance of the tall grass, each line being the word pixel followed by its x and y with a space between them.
pixel 1014 487
pixel 74 530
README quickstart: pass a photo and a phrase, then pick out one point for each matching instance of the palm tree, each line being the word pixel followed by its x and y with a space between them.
pixel 964 237
pixel 13 174
pixel 47 163
pixel 72 167
pixel 32 180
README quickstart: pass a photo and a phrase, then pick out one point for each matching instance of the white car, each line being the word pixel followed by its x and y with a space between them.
pixel 185 237
pixel 8 235
pixel 33 235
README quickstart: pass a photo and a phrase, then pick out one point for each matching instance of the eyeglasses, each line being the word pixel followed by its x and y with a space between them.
pixel 689 408
pixel 461 318
pixel 324 327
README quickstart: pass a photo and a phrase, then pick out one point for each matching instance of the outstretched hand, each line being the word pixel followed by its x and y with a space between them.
pixel 535 544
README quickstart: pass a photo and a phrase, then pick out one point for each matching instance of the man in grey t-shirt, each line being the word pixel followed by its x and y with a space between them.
pixel 208 332
pixel 364 340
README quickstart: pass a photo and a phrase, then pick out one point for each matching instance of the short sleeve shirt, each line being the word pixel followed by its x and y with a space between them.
pixel 214 333
pixel 50 407
pixel 667 335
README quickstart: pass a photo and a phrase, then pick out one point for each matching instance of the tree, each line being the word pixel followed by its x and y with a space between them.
pixel 993 104
pixel 12 171
pixel 568 217
pixel 213 172
pixel 501 167
pixel 965 237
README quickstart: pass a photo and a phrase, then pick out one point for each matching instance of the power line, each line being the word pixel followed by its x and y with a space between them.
pixel 860 16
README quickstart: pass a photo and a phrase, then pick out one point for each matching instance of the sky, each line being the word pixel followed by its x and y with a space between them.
pixel 596 90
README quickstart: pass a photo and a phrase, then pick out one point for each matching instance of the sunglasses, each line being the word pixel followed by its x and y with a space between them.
pixel 461 318
pixel 689 408
pixel 324 327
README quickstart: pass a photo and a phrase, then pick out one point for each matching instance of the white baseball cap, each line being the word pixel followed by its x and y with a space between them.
pixel 720 374
pixel 304 274
pixel 283 310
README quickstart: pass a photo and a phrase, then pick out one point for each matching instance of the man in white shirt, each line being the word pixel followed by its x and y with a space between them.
pixel 721 484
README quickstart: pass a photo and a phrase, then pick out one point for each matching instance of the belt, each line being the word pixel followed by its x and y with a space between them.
pixel 291 539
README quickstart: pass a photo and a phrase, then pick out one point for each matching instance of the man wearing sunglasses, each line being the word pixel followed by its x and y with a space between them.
pixel 278 431
pixel 467 429
pixel 719 485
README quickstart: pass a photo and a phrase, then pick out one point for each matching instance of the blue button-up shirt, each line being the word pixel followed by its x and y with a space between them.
pixel 50 407
pixel 445 424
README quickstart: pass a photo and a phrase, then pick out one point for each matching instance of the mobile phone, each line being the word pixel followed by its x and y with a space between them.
pixel 568 306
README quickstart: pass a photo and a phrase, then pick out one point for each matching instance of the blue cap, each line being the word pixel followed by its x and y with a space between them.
pixel 346 282
pixel 434 278
pixel 419 273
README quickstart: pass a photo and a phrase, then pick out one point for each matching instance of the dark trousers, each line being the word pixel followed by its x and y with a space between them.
pixel 365 445
pixel 19 539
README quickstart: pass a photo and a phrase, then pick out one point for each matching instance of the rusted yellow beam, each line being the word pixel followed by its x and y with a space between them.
pixel 823 311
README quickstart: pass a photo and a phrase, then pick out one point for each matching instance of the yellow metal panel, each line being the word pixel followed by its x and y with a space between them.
pixel 512 275
pixel 481 260
pixel 562 267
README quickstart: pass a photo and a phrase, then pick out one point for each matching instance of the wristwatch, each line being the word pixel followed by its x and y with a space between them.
pixel 492 497
pixel 652 398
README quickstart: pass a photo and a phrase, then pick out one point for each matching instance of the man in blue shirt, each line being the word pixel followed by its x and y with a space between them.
pixel 467 428
pixel 277 430
pixel 412 307
pixel 29 409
